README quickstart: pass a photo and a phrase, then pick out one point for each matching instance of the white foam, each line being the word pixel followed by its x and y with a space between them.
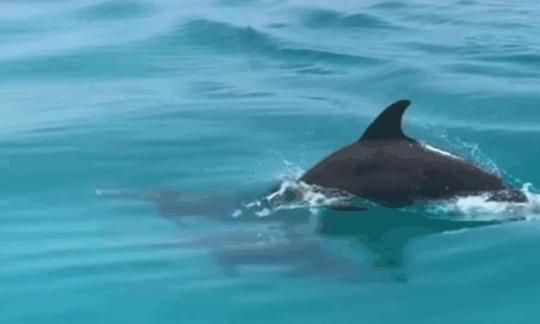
pixel 294 194
pixel 480 208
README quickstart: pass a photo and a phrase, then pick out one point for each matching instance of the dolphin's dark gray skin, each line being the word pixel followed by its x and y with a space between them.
pixel 389 168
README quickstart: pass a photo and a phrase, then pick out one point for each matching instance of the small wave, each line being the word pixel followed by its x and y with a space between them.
pixel 118 9
pixel 431 48
pixel 518 59
pixel 115 62
pixel 323 18
pixel 482 69
pixel 247 40
pixel 219 90
pixel 390 5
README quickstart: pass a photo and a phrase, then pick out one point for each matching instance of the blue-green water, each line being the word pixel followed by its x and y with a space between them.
pixel 223 99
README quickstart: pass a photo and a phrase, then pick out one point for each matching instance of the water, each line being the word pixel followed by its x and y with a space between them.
pixel 222 100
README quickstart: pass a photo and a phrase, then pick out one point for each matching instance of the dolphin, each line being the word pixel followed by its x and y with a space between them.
pixel 384 166
pixel 387 167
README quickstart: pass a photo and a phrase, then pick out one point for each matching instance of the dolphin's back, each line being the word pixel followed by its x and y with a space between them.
pixel 390 168
pixel 399 172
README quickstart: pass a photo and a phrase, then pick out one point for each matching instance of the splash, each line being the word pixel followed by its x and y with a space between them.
pixel 476 154
pixel 480 208
pixel 293 194
pixel 460 148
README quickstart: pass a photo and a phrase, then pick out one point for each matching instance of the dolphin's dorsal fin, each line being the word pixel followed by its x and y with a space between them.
pixel 387 125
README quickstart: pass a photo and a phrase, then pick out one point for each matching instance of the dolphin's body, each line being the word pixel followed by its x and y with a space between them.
pixel 389 168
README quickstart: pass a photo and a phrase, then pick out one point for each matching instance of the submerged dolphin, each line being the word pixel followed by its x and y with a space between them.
pixel 389 168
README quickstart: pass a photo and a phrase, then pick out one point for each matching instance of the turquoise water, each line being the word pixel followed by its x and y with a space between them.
pixel 216 102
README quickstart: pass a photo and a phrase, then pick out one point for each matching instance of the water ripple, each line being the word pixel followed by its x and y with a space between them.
pixel 321 18
pixel 119 9
pixel 250 41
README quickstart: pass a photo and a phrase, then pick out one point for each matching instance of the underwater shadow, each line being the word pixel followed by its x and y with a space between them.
pixel 386 232
pixel 296 241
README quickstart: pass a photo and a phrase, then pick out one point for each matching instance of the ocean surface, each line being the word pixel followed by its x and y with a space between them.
pixel 139 141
